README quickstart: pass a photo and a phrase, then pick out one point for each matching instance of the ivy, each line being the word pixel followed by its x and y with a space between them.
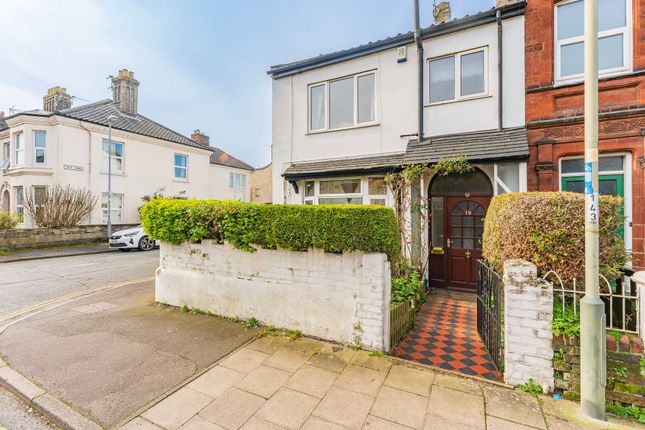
pixel 452 166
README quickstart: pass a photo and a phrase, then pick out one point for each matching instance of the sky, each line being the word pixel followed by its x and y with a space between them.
pixel 201 64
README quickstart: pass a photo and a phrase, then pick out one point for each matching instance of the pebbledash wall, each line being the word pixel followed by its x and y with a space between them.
pixel 17 238
pixel 341 297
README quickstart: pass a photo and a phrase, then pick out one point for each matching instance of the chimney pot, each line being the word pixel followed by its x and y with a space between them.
pixel 57 99
pixel 125 92
pixel 200 137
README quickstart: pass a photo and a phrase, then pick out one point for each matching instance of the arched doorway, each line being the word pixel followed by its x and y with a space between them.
pixel 458 204
pixel 5 203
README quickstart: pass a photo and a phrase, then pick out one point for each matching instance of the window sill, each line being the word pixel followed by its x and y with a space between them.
pixel 366 125
pixel 105 172
pixel 29 170
pixel 580 80
pixel 462 99
pixel 181 180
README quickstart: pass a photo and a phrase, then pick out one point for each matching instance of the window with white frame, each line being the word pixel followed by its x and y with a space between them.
pixel 236 180
pixel 614 38
pixel 342 191
pixel 114 154
pixel 342 103
pixel 39 195
pixel 181 166
pixel 40 147
pixel 20 202
pixel 19 149
pixel 116 208
pixel 458 76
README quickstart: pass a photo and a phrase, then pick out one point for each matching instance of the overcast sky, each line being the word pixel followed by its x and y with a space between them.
pixel 201 64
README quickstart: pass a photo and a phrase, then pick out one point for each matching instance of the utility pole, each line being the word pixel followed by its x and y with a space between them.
pixel 593 355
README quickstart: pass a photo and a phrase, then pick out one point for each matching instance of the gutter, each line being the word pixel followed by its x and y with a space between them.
pixel 479 19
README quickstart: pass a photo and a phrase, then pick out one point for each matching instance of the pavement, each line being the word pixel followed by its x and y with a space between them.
pixel 278 383
pixel 110 354
pixel 15 415
pixel 56 252
pixel 24 284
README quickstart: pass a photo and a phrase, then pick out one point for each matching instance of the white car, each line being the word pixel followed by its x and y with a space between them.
pixel 132 238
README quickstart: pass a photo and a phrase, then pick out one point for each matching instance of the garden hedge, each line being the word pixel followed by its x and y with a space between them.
pixel 547 229
pixel 333 228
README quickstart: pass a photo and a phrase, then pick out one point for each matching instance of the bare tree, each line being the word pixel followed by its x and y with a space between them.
pixel 59 206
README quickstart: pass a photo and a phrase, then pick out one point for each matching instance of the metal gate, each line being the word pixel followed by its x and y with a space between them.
pixel 489 311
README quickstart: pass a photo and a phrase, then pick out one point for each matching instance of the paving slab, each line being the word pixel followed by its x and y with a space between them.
pixel 400 407
pixel 288 408
pixel 376 423
pixel 111 362
pixel 215 381
pixel 315 423
pixel 409 379
pixel 255 423
pixel 245 360
pixel 264 381
pixel 344 407
pixel 288 359
pixel 140 423
pixel 450 407
pixel 176 409
pixel 199 423
pixel 232 409
pixel 513 405
pixel 333 360
pixel 312 380
pixel 361 380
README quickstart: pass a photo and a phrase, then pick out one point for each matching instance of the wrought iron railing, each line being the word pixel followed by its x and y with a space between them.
pixel 621 298
pixel 489 311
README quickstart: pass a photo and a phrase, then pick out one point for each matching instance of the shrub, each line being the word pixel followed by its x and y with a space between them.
pixel 547 228
pixel 333 228
pixel 59 206
pixel 408 288
pixel 8 220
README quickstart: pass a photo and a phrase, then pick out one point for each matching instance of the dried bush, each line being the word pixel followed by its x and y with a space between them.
pixel 59 206
pixel 548 229
pixel 8 220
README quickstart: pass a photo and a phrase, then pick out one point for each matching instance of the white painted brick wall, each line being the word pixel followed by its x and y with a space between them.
pixel 342 297
pixel 528 312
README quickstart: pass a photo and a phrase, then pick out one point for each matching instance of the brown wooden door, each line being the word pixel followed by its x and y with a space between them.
pixel 464 229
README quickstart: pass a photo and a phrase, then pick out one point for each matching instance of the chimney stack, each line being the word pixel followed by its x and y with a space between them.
pixel 200 137
pixel 57 99
pixel 125 92
pixel 500 3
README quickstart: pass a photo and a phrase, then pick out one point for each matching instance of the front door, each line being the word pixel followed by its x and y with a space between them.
pixel 464 228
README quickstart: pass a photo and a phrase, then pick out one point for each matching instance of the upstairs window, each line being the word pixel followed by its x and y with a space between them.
pixel 236 180
pixel 181 166
pixel 458 76
pixel 19 149
pixel 614 38
pixel 40 147
pixel 343 103
pixel 114 155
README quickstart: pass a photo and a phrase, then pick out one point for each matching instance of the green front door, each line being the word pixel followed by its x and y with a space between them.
pixel 612 185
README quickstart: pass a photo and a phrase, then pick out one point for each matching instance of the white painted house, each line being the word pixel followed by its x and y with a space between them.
pixel 343 120
pixel 69 145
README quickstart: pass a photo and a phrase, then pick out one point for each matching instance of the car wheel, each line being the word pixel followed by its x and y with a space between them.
pixel 146 244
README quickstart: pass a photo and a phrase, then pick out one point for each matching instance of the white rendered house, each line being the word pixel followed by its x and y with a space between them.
pixel 341 121
pixel 69 145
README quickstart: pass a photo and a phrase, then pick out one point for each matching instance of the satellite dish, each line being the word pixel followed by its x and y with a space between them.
pixel 441 12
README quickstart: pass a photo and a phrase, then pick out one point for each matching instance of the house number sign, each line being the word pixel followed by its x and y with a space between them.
pixel 592 196
pixel 74 168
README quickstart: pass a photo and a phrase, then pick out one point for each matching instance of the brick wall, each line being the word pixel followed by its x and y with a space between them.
pixel 341 297
pixel 18 238
pixel 625 380
pixel 528 312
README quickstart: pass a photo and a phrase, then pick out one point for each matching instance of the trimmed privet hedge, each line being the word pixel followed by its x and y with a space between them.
pixel 548 229
pixel 333 228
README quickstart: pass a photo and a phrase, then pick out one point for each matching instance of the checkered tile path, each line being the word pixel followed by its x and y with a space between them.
pixel 445 335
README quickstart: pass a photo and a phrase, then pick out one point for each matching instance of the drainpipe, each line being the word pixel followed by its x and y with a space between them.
pixel 417 40
pixel 500 102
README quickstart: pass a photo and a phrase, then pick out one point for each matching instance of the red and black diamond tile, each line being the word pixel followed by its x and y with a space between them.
pixel 445 335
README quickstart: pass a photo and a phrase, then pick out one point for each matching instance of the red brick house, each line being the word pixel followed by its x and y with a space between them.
pixel 554 104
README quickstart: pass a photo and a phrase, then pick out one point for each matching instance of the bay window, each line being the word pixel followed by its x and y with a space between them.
pixel 614 38
pixel 20 202
pixel 19 149
pixel 40 146
pixel 458 76
pixel 342 191
pixel 342 103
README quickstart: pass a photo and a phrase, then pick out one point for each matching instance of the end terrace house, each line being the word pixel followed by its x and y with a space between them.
pixel 341 121
pixel 61 144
